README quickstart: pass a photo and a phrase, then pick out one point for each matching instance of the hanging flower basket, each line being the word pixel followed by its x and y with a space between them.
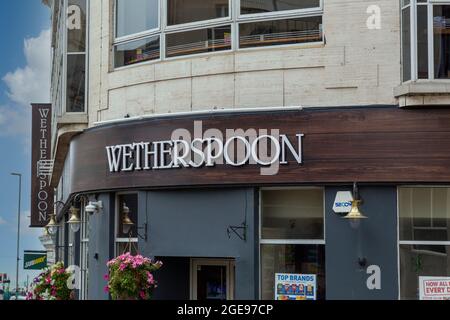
pixel 131 277
pixel 51 284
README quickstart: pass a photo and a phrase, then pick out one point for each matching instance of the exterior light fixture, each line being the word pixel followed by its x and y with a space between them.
pixel 94 207
pixel 126 221
pixel 74 221
pixel 355 213
pixel 52 226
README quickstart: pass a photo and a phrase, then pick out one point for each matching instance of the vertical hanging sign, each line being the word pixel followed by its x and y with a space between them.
pixel 41 165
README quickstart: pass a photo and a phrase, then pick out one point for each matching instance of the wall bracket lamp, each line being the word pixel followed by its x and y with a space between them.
pixel 355 212
pixel 127 224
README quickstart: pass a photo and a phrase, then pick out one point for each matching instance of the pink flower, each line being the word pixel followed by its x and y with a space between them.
pixel 48 280
pixel 106 289
pixel 106 277
pixel 142 295
pixel 123 266
pixel 150 279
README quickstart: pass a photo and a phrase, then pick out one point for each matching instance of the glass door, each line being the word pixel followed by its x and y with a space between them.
pixel 212 279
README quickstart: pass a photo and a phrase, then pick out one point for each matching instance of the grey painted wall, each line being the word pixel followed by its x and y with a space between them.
pixel 100 242
pixel 193 223
pixel 173 279
pixel 375 240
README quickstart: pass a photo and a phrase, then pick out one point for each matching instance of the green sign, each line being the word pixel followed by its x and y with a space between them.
pixel 35 260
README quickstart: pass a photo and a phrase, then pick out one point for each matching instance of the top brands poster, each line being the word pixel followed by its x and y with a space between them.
pixel 290 286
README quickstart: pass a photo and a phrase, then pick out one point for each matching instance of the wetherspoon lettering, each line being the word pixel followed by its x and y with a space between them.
pixel 41 192
pixel 237 151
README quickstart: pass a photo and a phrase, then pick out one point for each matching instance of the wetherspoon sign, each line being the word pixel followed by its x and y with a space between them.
pixel 41 192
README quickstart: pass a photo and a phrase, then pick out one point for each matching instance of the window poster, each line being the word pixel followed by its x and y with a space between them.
pixel 295 286
pixel 434 288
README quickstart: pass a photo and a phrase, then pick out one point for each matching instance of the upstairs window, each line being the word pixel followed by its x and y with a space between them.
pixel 137 32
pixel 425 39
pixel 188 11
pixel 75 60
pixel 147 30
pixel 265 6
pixel 136 16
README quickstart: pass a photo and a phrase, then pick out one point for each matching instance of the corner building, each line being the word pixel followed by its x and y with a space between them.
pixel 369 96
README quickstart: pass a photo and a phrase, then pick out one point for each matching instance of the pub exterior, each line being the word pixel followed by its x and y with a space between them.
pixel 236 136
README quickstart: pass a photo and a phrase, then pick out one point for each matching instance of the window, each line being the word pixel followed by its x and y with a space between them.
pixel 137 32
pixel 441 40
pixel 136 51
pixel 136 16
pixel 193 27
pixel 186 11
pixel 76 82
pixel 292 236
pixel 76 56
pixel 424 216
pixel 425 39
pixel 198 41
pixel 263 6
pixel 278 32
pixel 186 16
pixel 126 236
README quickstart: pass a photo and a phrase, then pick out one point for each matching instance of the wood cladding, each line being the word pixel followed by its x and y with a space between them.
pixel 342 145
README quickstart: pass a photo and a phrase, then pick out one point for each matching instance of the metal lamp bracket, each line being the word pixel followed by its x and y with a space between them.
pixel 145 236
pixel 240 231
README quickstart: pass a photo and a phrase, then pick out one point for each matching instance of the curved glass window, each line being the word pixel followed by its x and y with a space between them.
pixel 198 41
pixel 186 11
pixel 263 6
pixel 135 16
pixel 279 32
pixel 199 26
pixel 136 51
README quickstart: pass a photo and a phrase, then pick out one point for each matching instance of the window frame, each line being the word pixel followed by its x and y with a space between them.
pixel 196 25
pixel 66 54
pixel 119 240
pixel 297 13
pixel 238 33
pixel 413 4
pixel 137 35
pixel 263 242
pixel 166 58
pixel 234 19
pixel 412 242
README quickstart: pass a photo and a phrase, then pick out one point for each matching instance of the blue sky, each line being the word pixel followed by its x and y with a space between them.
pixel 24 78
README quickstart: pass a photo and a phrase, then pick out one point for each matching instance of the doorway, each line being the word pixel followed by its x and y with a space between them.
pixel 212 279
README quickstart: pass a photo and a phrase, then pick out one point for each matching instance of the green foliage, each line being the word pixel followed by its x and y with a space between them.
pixel 131 277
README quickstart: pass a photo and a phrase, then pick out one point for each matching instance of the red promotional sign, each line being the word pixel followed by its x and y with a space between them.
pixel 41 165
pixel 434 288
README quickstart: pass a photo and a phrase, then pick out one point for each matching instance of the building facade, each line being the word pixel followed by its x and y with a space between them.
pixel 235 131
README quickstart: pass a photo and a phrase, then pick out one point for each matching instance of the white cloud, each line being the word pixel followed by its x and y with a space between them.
pixel 32 82
pixel 14 121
